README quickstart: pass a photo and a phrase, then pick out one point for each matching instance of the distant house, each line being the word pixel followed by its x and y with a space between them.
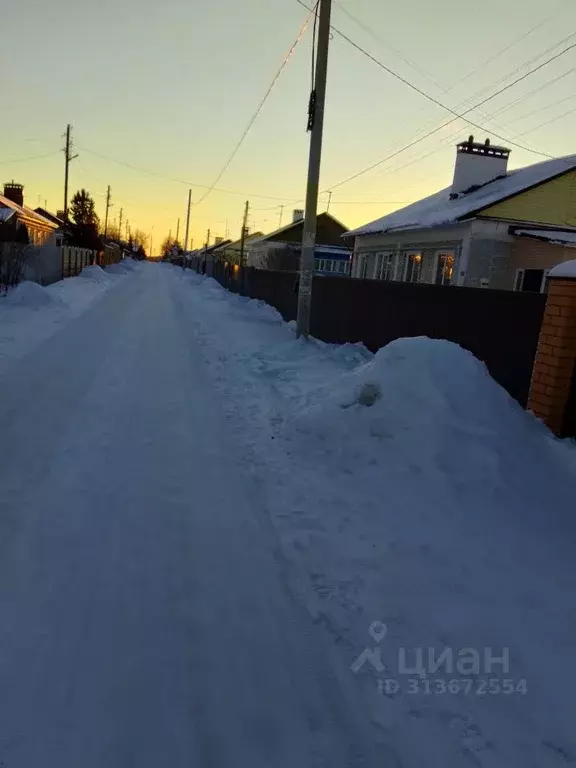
pixel 491 228
pixel 281 249
pixel 64 229
pixel 24 224
pixel 230 251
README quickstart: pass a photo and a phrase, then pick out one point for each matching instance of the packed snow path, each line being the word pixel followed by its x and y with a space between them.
pixel 146 617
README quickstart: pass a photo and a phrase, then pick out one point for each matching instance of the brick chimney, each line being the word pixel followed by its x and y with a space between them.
pixel 297 215
pixel 14 192
pixel 477 164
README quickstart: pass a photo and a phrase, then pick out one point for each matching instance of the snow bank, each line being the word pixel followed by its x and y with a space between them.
pixel 95 273
pixel 32 296
pixel 116 269
pixel 417 392
pixel 129 264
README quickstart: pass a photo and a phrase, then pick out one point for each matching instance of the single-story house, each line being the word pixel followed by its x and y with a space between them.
pixel 230 251
pixel 25 224
pixel 280 250
pixel 491 228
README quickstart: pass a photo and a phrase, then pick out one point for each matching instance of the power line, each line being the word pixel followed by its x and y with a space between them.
pixel 515 42
pixel 33 157
pixel 258 108
pixel 387 45
pixel 457 115
pixel 182 181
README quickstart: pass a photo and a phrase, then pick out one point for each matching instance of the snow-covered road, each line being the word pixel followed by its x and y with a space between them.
pixel 224 547
pixel 146 613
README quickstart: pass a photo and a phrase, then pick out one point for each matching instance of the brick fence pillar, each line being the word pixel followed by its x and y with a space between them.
pixel 554 365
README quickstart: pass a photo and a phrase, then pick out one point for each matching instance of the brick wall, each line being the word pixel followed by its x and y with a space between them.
pixel 552 377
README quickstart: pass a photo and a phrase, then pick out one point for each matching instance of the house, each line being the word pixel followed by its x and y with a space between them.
pixel 230 251
pixel 491 228
pixel 280 250
pixel 25 224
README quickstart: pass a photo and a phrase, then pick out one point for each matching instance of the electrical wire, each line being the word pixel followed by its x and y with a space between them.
pixel 183 181
pixel 387 45
pixel 33 157
pixel 457 115
pixel 515 42
pixel 259 108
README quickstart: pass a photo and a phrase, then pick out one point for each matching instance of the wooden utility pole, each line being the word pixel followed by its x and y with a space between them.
pixel 329 201
pixel 177 229
pixel 243 235
pixel 207 238
pixel 108 206
pixel 188 220
pixel 281 216
pixel 68 157
pixel 316 126
pixel 120 224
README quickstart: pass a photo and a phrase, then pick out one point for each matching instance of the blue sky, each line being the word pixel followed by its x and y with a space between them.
pixel 169 87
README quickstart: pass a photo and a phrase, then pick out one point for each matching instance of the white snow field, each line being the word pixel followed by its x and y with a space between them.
pixel 218 543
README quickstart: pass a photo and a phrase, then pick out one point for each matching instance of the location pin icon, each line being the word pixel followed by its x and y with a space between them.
pixel 378 631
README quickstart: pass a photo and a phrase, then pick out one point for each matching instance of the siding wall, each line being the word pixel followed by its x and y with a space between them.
pixel 551 203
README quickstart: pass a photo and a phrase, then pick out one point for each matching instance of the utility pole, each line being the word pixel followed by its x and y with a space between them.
pixel 120 224
pixel 316 127
pixel 108 206
pixel 177 230
pixel 127 228
pixel 329 201
pixel 281 216
pixel 68 157
pixel 188 220
pixel 207 238
pixel 243 235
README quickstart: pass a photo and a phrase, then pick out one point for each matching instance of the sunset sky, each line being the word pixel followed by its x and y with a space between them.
pixel 169 88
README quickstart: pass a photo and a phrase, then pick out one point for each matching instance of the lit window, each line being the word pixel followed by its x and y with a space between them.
pixel 444 268
pixel 413 267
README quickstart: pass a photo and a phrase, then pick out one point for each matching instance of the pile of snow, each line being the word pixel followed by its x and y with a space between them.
pixel 414 398
pixel 564 269
pixel 32 296
pixel 95 273
pixel 129 264
pixel 116 269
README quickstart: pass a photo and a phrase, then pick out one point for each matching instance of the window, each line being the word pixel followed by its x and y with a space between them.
pixel 387 265
pixel 317 264
pixel 444 268
pixel 343 267
pixel 530 280
pixel 413 267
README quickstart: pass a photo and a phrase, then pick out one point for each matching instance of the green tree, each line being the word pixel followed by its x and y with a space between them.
pixel 85 221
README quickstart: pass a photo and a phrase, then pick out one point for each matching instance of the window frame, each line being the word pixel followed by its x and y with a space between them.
pixel 414 252
pixel 437 255
pixel 387 259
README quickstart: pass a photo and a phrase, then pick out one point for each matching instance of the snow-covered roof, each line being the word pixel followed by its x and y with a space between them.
pixel 555 236
pixel 438 209
pixel 6 213
pixel 24 211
